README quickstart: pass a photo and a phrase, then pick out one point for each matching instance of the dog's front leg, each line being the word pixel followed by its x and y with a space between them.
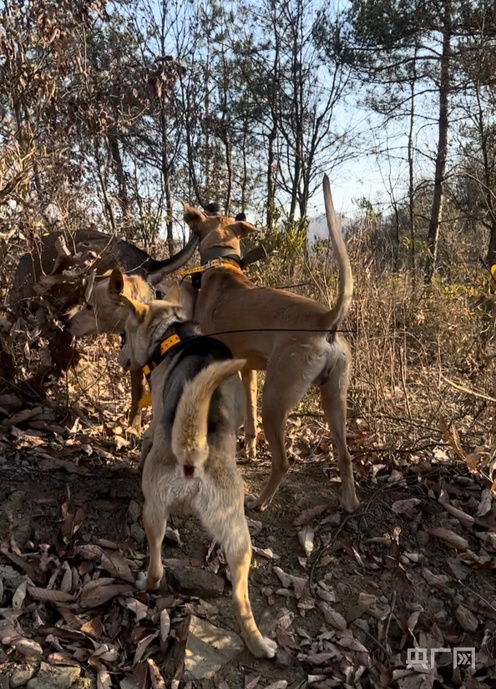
pixel 249 378
pixel 146 445
pixel 155 523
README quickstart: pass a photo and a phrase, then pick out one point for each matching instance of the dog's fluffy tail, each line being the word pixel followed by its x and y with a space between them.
pixel 189 432
pixel 345 293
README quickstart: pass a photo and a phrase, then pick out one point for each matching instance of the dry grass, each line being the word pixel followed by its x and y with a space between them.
pixel 421 356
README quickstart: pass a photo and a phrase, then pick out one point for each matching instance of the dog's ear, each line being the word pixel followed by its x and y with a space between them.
pixel 136 308
pixel 181 300
pixel 116 282
pixel 192 216
pixel 242 229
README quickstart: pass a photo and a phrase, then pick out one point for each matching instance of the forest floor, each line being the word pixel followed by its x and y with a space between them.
pixel 344 596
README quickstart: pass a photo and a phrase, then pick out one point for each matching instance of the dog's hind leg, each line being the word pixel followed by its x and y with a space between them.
pixel 154 522
pixel 224 518
pixel 249 378
pixel 333 395
pixel 239 561
pixel 282 391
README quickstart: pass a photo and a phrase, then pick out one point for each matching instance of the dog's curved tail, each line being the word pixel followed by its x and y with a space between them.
pixel 337 314
pixel 189 431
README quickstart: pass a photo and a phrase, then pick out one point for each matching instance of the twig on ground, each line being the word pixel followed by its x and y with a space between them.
pixel 462 388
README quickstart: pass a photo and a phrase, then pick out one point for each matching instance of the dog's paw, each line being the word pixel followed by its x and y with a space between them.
pixel 263 647
pixel 255 505
pixel 350 503
pixel 141 581
pixel 144 583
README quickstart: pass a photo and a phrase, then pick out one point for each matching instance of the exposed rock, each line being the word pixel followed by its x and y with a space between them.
pixel 208 648
pixel 195 582
pixel 54 677
pixel 137 533
pixel 83 683
pixel 467 620
pixel 22 674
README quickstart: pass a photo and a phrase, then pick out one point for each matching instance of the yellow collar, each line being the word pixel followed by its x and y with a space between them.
pixel 158 355
pixel 214 263
pixel 183 333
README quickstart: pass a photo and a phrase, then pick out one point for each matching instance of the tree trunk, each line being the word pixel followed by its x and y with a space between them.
pixel 442 147
pixel 228 151
pixel 103 185
pixel 411 179
pixel 270 180
pixel 120 175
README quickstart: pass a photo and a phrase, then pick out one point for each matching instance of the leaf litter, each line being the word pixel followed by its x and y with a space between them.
pixel 345 597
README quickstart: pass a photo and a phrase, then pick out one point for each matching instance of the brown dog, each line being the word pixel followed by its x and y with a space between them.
pixel 292 338
pixel 189 449
pixel 104 312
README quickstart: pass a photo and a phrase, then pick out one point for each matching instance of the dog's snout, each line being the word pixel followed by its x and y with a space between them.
pixel 189 470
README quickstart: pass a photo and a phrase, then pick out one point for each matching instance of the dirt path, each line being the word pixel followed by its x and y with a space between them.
pixel 403 571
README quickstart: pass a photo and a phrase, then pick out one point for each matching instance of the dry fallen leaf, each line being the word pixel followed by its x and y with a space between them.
pixel 156 678
pixel 298 583
pixel 468 621
pixel 406 507
pixel 165 625
pixel 103 680
pixel 139 609
pixel 117 566
pixel 49 595
pixel 332 617
pixel 142 646
pixel 452 538
pixel 98 592
pixel 485 503
pixel 306 537
pixel 309 514
pixel 465 519
pixel 251 682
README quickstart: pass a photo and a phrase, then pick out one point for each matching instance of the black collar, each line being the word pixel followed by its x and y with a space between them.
pixel 223 252
pixel 175 335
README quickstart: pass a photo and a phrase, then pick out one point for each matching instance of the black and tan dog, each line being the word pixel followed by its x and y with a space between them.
pixel 189 449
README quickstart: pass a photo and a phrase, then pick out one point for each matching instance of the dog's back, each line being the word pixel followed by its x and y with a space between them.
pixel 192 460
pixel 225 411
pixel 223 414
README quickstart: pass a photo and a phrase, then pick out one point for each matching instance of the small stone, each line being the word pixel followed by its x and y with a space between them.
pixel 195 582
pixel 457 569
pixel 468 621
pixel 54 677
pixel 208 649
pixel 422 539
pixel 22 674
pixel 367 600
pixel 362 624
pixel 134 511
pixel 355 612
pixel 283 658
pixel 83 683
pixel 137 533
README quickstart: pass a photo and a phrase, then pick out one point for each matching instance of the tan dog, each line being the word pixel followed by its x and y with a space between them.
pixel 292 338
pixel 189 449
pixel 104 312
